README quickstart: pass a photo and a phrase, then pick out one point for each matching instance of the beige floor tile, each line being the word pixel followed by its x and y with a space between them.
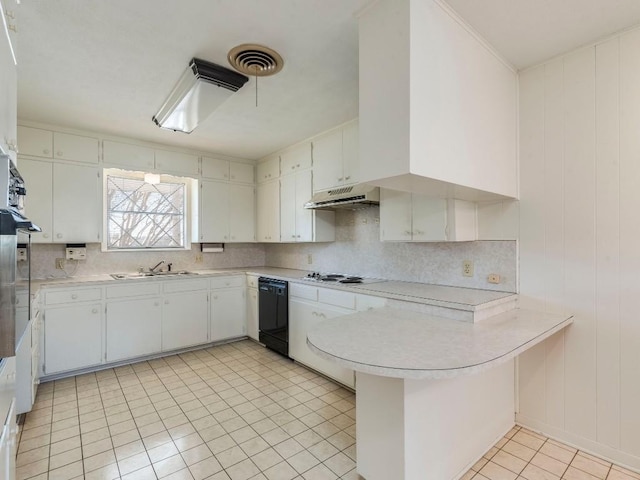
pixel 280 471
pixel 549 464
pixel 32 469
pixel 67 472
pixel 266 459
pixel 517 449
pixel 573 473
pixel 493 471
pixel 133 463
pixel 554 451
pixel 243 470
pixel 303 461
pixel 110 472
pixel 532 472
pixel 146 473
pixel 340 464
pixel 163 451
pixel 622 474
pixel 169 465
pixel 183 474
pixel 65 458
pixel 319 472
pixel 591 466
pixel 196 454
pixel 98 461
pixel 94 448
pixel 508 461
pixel 528 440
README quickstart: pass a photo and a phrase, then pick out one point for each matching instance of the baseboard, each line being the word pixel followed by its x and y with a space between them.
pixel 605 452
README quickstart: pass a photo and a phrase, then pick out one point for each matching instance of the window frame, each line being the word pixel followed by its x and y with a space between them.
pixel 190 188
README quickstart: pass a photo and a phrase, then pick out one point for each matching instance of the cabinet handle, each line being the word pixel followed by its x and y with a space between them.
pixel 45 151
pixel 322 315
pixel 59 153
pixel 10 14
pixel 348 177
pixel 314 314
pixel 298 165
pixel 297 236
pixel 225 237
pixel 293 236
pixel 407 232
pixel 419 232
pixel 215 297
pixel 95 310
pixel 45 235
pixel 74 296
pixel 12 27
pixel 59 235
pixel 340 179
pixel 293 167
pixel 156 304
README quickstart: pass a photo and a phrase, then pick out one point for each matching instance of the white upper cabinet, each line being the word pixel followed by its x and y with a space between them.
pixel 227 212
pixel 242 216
pixel 296 158
pixel 174 162
pixel 241 173
pixel 268 212
pixel 39 199
pixel 409 217
pixel 335 158
pixel 441 116
pixel 215 168
pixel 37 142
pixel 269 169
pixel 141 158
pixel 128 156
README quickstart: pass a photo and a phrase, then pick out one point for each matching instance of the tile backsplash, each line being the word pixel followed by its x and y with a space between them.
pixel 358 250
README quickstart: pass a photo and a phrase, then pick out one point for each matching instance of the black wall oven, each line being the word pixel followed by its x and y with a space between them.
pixel 273 314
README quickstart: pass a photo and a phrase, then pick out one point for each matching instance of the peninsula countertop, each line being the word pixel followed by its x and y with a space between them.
pixel 404 344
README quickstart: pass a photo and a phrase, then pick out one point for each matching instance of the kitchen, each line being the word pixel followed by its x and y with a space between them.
pixel 573 247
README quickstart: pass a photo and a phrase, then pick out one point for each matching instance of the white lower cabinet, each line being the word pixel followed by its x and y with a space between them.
pixel 252 313
pixel 185 319
pixel 134 328
pixel 73 337
pixel 303 316
pixel 228 314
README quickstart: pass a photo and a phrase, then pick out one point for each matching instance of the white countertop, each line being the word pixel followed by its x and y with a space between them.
pixel 468 299
pixel 404 344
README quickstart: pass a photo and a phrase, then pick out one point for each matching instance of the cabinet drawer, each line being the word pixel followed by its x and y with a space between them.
pixel 129 290
pixel 337 298
pixel 226 282
pixel 252 281
pixel 368 302
pixel 72 296
pixel 303 291
pixel 186 285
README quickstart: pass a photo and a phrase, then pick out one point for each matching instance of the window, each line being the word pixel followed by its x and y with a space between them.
pixel 141 215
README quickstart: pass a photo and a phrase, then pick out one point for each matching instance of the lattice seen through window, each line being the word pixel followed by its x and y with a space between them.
pixel 141 215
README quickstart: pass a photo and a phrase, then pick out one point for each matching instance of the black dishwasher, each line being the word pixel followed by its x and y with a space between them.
pixel 273 314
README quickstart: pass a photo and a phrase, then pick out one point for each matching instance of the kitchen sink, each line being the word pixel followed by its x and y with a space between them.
pixel 129 276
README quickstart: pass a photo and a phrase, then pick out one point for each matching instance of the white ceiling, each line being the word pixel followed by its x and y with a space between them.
pixel 107 65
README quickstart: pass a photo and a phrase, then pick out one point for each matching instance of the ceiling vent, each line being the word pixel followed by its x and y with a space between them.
pixel 201 89
pixel 255 60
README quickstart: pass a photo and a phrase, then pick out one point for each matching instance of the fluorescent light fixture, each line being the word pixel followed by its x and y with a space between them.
pixel 152 178
pixel 201 89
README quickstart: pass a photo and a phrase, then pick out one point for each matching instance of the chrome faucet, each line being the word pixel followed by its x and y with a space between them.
pixel 153 269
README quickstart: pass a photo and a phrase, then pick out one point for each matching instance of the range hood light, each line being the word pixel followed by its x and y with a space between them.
pixel 202 88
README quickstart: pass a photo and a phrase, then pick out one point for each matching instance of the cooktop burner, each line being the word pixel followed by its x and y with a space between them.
pixel 336 277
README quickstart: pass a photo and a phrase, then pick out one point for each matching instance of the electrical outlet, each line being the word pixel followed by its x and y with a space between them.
pixel 493 278
pixel 60 263
pixel 199 258
pixel 309 259
pixel 467 268
pixel 21 254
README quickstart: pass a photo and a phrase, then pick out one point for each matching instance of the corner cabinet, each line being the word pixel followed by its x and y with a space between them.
pixel 64 200
pixel 409 217
pixel 299 224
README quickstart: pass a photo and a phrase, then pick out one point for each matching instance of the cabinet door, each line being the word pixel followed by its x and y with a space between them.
pixel 215 169
pixel 269 169
pixel 304 216
pixel 395 215
pixel 228 313
pixel 72 337
pixel 75 147
pixel 351 152
pixel 327 161
pixel 242 213
pixel 39 200
pixel 304 316
pixel 252 313
pixel 429 219
pixel 134 328
pixel 124 155
pixel 35 142
pixel 185 320
pixel 297 158
pixel 241 173
pixel 8 97
pixel 77 206
pixel 268 212
pixel 214 211
pixel 288 208
pixel 173 162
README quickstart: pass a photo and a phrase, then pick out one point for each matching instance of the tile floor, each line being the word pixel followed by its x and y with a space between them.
pixel 234 412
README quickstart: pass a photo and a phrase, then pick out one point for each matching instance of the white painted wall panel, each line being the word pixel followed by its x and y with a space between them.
pixel 579 245
pixel 629 242
pixel 607 242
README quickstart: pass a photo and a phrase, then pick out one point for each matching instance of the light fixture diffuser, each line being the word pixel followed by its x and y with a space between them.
pixel 201 89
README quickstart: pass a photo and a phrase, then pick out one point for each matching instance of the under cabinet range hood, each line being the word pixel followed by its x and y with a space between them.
pixel 348 198
pixel 201 89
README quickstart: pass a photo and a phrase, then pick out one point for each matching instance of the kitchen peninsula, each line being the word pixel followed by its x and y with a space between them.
pixel 433 393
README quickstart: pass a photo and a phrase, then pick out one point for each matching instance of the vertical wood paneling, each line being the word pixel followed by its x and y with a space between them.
pixel 630 242
pixel 531 363
pixel 553 276
pixel 579 231
pixel 607 242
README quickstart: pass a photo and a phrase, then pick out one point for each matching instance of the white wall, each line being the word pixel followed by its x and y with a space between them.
pixel 579 239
